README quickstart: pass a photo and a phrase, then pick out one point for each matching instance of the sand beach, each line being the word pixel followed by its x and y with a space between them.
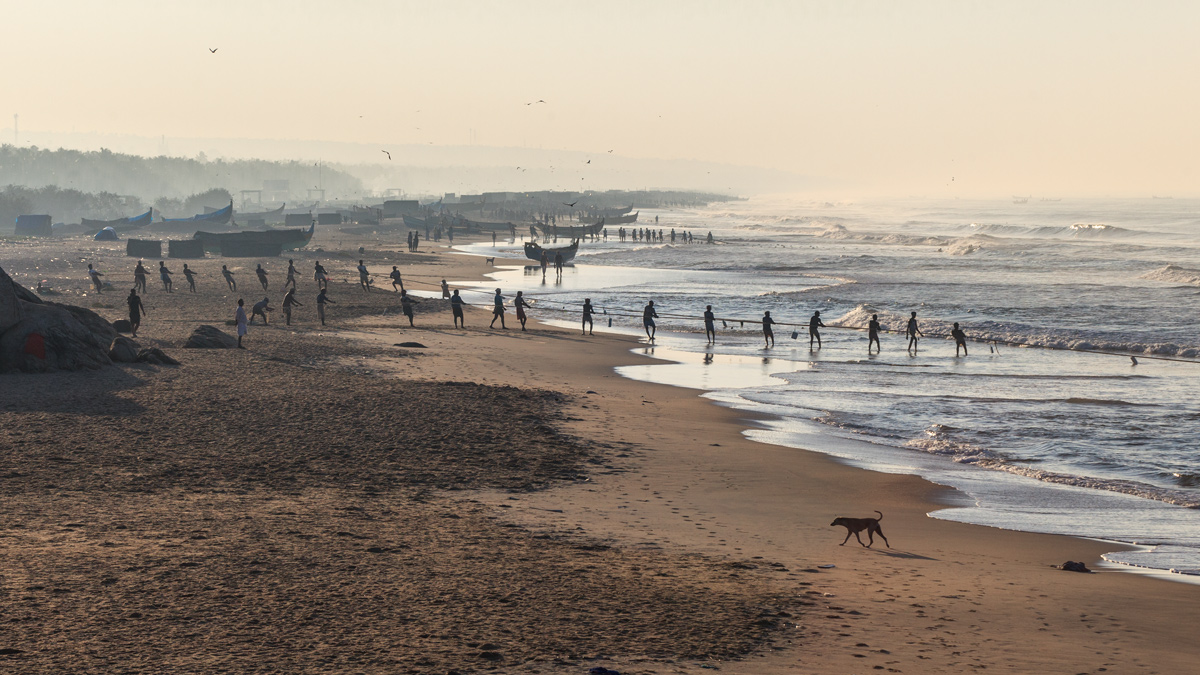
pixel 327 501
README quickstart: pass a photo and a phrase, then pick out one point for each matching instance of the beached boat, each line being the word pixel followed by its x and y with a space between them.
pixel 534 252
pixel 481 226
pixel 220 217
pixel 285 239
pixel 620 220
pixel 572 231
pixel 92 226
pixel 415 222
pixel 612 213
pixel 272 216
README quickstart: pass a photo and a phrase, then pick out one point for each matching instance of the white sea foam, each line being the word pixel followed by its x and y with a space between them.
pixel 1174 274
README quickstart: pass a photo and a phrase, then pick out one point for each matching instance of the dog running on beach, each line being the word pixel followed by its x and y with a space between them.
pixel 856 525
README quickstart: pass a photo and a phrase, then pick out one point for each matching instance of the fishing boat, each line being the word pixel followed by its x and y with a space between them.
pixel 415 222
pixel 481 226
pixel 286 240
pixel 572 231
pixel 620 220
pixel 272 216
pixel 612 213
pixel 219 217
pixel 534 252
pixel 92 226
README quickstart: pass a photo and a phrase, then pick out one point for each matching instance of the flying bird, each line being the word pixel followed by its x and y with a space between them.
pixel 388 154
pixel 213 50
pixel 610 152
pixel 540 101
pixel 572 204
pixel 589 161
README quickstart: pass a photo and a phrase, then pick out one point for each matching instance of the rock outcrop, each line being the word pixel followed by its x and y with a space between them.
pixel 38 336
pixel 210 337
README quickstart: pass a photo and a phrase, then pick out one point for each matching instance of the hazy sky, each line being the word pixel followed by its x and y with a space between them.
pixel 1004 97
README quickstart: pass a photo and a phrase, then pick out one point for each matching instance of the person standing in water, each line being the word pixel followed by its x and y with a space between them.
pixel 397 280
pixel 768 333
pixel 136 311
pixel 165 275
pixel 558 264
pixel 545 261
pixel 364 277
pixel 498 310
pixel 813 334
pixel 139 277
pixel 228 278
pixel 190 275
pixel 239 317
pixel 873 334
pixel 321 300
pixel 289 301
pixel 520 304
pixel 406 306
pixel 456 310
pixel 912 331
pixel 291 275
pixel 648 317
pixel 587 316
pixel 960 339
pixel 710 325
pixel 95 275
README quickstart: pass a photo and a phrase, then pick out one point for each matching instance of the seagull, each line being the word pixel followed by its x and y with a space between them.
pixel 610 152
pixel 388 154
pixel 572 204
pixel 540 101
pixel 589 161
pixel 212 50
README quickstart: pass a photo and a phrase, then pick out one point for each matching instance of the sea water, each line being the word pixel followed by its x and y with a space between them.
pixel 1037 430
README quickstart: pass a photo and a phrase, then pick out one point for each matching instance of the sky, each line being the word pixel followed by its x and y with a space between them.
pixel 932 98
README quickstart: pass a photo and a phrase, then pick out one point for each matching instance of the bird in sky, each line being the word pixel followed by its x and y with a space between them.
pixel 572 204
pixel 589 161
pixel 213 50
pixel 388 154
pixel 610 152
pixel 540 101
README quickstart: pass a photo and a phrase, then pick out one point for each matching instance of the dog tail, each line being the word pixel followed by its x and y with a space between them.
pixel 880 514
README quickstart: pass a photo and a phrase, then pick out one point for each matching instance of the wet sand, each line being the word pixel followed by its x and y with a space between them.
pixel 326 501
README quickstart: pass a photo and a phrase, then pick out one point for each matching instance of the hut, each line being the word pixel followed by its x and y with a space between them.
pixel 34 226
pixel 185 248
pixel 143 248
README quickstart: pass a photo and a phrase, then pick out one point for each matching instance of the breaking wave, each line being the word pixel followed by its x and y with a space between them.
pixel 1174 274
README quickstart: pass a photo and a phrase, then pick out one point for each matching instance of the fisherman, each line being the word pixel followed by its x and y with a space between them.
pixel 262 276
pixel 261 309
pixel 239 317
pixel 913 331
pixel 587 316
pixel 445 290
pixel 456 309
pixel 813 324
pixel 396 280
pixel 364 277
pixel 768 334
pixel 190 275
pixel 291 275
pixel 321 300
pixel 960 339
pixel 165 275
pixel 710 325
pixel 95 275
pixel 710 237
pixel 289 300
pixel 139 277
pixel 648 317
pixel 406 306
pixel 319 274
pixel 558 264
pixel 498 310
pixel 545 263
pixel 873 334
pixel 520 304
pixel 228 278
pixel 136 311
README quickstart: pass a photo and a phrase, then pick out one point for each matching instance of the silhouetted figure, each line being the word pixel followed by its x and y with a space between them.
pixel 322 298
pixel 319 274
pixel 912 331
pixel 813 334
pixel 873 333
pixel 445 290
pixel 262 279
pixel 289 301
pixel 498 310
pixel 587 316
pixel 239 318
pixel 558 264
pixel 94 275
pixel 260 309
pixel 960 339
pixel 190 275
pixel 406 306
pixel 165 275
pixel 229 278
pixel 520 304
pixel 291 275
pixel 545 261
pixel 648 317
pixel 768 333
pixel 139 277
pixel 397 280
pixel 136 311
pixel 710 323
pixel 456 309
pixel 364 277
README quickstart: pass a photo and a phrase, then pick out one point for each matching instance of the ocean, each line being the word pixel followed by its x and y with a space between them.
pixel 1047 426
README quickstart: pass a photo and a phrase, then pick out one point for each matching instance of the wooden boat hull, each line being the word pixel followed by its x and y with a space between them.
pixel 534 252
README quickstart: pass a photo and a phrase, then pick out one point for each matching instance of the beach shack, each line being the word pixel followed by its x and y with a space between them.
pixel 34 226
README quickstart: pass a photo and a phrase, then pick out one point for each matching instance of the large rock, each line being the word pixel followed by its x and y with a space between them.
pixel 210 337
pixel 38 336
pixel 156 356
pixel 122 326
pixel 124 350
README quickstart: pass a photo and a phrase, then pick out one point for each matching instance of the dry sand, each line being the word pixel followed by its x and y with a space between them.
pixel 325 501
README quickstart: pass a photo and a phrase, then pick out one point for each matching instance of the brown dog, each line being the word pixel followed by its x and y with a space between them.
pixel 856 525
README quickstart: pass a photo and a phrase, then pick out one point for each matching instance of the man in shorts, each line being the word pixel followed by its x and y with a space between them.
pixel 648 317
pixel 498 310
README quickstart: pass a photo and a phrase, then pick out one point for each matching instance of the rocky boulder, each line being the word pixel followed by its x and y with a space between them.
pixel 122 326
pixel 38 336
pixel 156 356
pixel 124 350
pixel 210 337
